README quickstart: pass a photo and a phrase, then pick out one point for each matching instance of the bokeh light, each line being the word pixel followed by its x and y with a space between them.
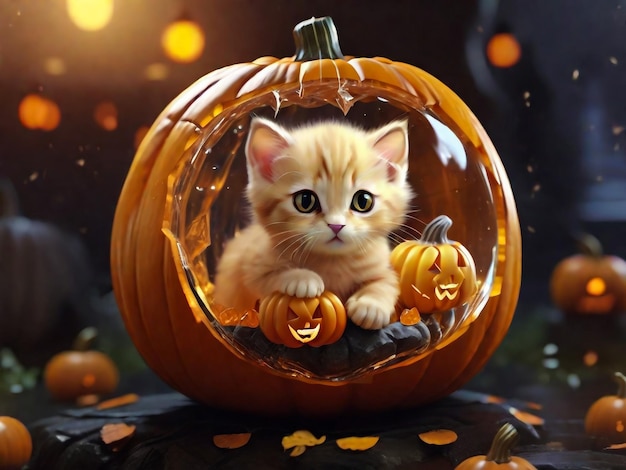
pixel 54 66
pixel 183 41
pixel 503 50
pixel 105 115
pixel 90 15
pixel 38 112
pixel 156 71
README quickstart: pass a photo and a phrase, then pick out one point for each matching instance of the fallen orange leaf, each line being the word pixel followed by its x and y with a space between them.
pixel 526 417
pixel 300 440
pixel 118 401
pixel 616 446
pixel 231 441
pixel 117 434
pixel 440 437
pixel 357 443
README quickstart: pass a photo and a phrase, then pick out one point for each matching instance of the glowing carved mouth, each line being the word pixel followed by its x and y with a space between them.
pixel 306 334
pixel 448 291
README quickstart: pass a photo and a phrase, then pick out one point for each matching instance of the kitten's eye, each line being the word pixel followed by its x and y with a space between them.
pixel 306 201
pixel 362 201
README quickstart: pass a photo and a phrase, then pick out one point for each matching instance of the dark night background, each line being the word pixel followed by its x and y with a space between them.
pixel 557 119
pixel 560 146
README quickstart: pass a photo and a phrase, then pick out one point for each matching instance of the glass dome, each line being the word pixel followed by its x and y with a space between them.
pixel 456 212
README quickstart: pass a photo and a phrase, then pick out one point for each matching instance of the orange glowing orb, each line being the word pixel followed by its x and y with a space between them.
pixel 183 41
pixel 595 286
pixel 503 50
pixel 37 112
pixel 105 115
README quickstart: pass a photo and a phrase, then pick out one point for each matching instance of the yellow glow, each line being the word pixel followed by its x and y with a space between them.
pixel 596 286
pixel 90 15
pixel 105 115
pixel 54 66
pixel 156 71
pixel 183 41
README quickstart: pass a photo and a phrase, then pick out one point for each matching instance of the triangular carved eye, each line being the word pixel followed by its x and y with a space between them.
pixel 291 315
pixel 435 268
pixel 317 313
pixel 462 263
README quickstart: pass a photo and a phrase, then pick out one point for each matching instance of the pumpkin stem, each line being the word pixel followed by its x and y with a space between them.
pixel 621 384
pixel 436 232
pixel 590 245
pixel 504 440
pixel 316 39
pixel 85 339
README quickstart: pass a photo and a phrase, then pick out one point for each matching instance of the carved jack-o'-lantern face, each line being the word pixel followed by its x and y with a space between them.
pixel 295 322
pixel 436 274
pixel 589 282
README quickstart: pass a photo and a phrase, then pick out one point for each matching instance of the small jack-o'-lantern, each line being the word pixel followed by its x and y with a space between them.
pixel 71 374
pixel 295 322
pixel 589 282
pixel 436 274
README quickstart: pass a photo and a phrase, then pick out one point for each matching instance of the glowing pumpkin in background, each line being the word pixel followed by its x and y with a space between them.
pixel 295 322
pixel 589 282
pixel 182 200
pixel 436 274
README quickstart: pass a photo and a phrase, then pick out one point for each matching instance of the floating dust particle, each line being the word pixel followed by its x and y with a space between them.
pixel 613 60
pixel 575 74
pixel 529 168
pixel 536 188
pixel 531 229
pixel 599 178
pixel 80 162
pixel 617 130
pixel 33 176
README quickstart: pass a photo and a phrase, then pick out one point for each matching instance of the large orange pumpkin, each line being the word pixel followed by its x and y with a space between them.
pixel 163 285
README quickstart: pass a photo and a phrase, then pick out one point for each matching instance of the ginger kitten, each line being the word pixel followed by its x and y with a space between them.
pixel 324 198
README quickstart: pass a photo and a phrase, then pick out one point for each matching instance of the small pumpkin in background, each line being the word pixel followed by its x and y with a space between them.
pixel 589 282
pixel 499 456
pixel 436 274
pixel 295 322
pixel 44 275
pixel 81 371
pixel 16 445
pixel 606 417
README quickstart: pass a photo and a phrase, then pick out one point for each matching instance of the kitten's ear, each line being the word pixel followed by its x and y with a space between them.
pixel 391 142
pixel 266 142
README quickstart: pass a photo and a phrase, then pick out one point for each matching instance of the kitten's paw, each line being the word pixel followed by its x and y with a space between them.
pixel 369 313
pixel 302 283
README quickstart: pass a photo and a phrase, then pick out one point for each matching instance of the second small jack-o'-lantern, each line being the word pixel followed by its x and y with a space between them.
pixel 295 322
pixel 589 282
pixel 436 274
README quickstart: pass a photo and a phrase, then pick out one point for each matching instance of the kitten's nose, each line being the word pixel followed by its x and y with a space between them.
pixel 336 228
